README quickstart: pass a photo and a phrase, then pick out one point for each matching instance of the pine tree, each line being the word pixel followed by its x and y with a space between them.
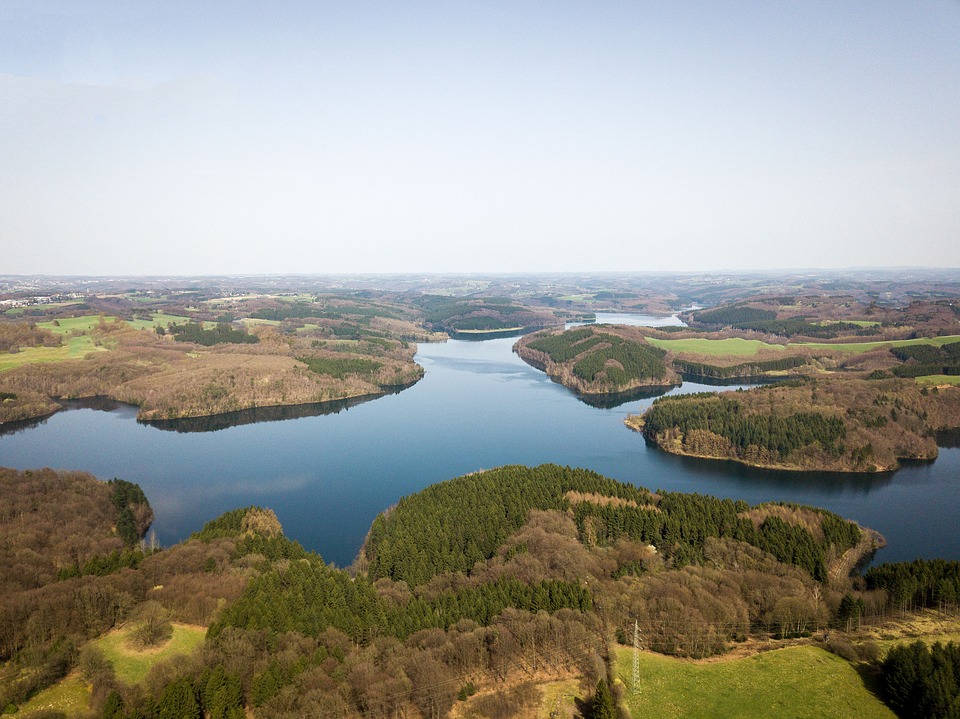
pixel 603 706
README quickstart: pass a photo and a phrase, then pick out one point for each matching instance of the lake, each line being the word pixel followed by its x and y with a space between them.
pixel 478 406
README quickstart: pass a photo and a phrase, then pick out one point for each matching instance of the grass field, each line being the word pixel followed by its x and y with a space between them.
pixel 160 319
pixel 67 325
pixel 132 665
pixel 938 379
pixel 72 348
pixel 70 696
pixel 868 346
pixel 797 682
pixel 737 347
pixel 730 347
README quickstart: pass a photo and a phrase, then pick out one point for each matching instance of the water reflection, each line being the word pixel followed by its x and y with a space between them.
pixel 478 406
pixel 217 422
pixel 609 401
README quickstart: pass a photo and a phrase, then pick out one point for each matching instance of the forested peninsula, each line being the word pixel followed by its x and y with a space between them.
pixel 840 425
pixel 263 353
pixel 598 360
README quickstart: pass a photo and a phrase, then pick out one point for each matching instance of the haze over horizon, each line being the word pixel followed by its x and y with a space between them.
pixel 175 138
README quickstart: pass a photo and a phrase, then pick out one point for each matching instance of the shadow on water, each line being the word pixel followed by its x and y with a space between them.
pixel 103 404
pixel 728 381
pixel 609 401
pixel 214 423
pixel 948 438
pixel 782 481
pixel 22 425
pixel 478 336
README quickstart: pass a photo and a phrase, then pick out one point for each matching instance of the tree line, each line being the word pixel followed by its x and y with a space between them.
pixel 453 525
pixel 923 681
pixel 725 417
pixel 220 334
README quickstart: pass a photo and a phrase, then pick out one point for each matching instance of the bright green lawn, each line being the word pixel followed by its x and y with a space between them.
pixel 132 665
pixel 70 696
pixel 796 682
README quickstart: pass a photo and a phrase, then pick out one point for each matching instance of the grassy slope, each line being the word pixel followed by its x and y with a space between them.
pixel 72 324
pixel 938 379
pixel 732 346
pixel 72 348
pixel 160 319
pixel 70 696
pixel 735 346
pixel 803 681
pixel 132 665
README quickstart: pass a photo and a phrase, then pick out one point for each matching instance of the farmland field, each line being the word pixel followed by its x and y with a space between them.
pixel 160 319
pixel 737 347
pixel 731 346
pixel 802 681
pixel 72 348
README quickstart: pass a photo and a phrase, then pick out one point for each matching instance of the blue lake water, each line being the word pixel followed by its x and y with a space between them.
pixel 478 406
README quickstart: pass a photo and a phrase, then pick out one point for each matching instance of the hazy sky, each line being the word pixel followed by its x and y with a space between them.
pixel 235 137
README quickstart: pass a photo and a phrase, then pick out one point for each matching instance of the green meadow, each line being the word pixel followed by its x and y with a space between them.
pixel 792 683
pixel 159 319
pixel 70 696
pixel 132 665
pixel 67 325
pixel 76 343
pixel 729 347
pixel 868 346
pixel 929 380
pixel 738 347
pixel 72 348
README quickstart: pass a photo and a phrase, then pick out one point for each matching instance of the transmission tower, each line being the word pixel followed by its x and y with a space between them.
pixel 636 657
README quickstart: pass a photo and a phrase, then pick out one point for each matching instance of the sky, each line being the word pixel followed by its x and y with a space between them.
pixel 183 137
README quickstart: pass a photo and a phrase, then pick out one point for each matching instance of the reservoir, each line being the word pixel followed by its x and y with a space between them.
pixel 478 406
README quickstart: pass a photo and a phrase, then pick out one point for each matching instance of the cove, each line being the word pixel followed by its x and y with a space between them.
pixel 478 406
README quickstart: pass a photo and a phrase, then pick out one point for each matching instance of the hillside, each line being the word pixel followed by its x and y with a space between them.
pixel 598 360
pixel 186 370
pixel 486 593
pixel 843 425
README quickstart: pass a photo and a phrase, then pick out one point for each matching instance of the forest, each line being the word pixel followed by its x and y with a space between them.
pixel 598 360
pixel 223 333
pixel 471 592
pixel 848 425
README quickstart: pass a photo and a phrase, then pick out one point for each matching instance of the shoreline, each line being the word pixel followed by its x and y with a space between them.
pixel 243 415
pixel 637 426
